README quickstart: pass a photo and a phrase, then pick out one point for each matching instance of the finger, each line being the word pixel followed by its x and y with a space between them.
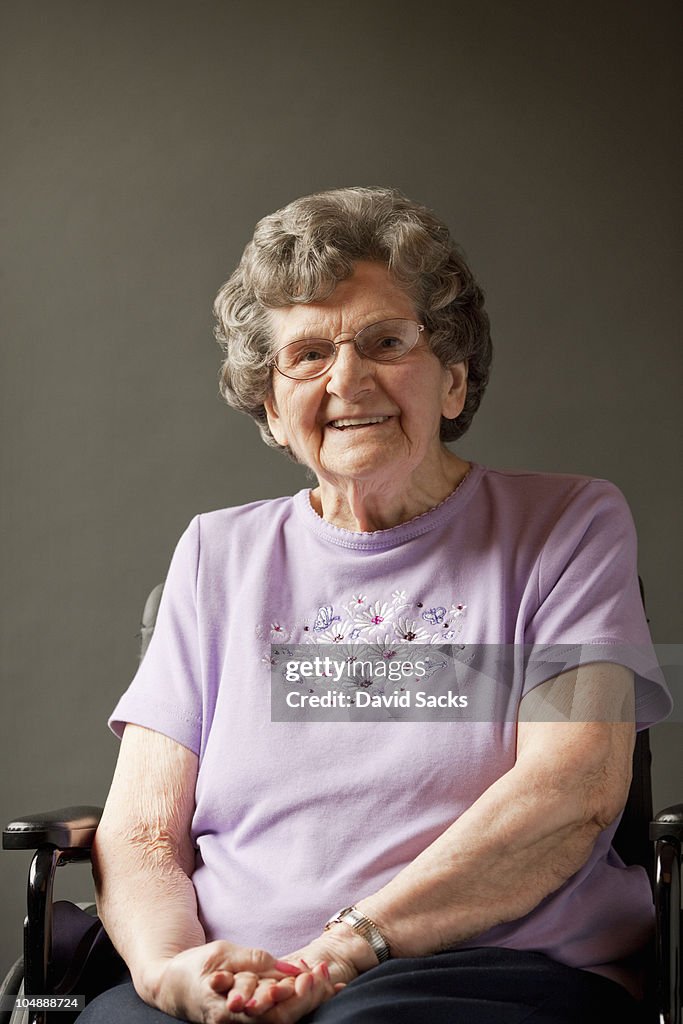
pixel 221 981
pixel 317 984
pixel 283 990
pixel 263 999
pixel 311 990
pixel 324 989
pixel 243 988
pixel 290 969
pixel 243 958
pixel 303 984
pixel 268 993
pixel 283 968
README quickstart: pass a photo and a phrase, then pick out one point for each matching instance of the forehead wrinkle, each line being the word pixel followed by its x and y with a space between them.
pixel 368 296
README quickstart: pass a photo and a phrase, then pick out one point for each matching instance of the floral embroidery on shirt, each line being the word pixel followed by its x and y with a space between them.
pixel 369 620
pixel 274 633
pixel 409 631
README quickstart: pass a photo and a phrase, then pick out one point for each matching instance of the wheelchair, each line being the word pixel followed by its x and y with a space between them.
pixel 67 951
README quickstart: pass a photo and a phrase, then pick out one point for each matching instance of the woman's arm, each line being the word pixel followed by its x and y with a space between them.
pixel 143 858
pixel 522 839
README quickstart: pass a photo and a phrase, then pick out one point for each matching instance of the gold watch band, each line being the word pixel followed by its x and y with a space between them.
pixel 366 928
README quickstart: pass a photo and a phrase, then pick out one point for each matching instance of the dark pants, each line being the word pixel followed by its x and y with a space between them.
pixel 475 986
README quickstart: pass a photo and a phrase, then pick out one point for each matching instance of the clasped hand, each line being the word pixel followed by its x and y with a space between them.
pixel 221 983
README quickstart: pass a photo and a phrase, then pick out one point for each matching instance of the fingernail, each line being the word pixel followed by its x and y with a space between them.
pixel 250 1005
pixel 325 969
pixel 236 1002
pixel 304 963
pixel 287 968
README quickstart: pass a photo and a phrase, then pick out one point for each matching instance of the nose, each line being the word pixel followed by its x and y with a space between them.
pixel 350 375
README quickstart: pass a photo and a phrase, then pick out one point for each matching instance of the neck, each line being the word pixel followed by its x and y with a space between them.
pixel 363 506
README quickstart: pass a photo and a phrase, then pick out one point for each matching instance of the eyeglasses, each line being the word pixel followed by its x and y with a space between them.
pixel 383 342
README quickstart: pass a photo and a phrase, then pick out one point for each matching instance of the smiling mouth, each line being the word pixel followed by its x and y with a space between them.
pixel 358 421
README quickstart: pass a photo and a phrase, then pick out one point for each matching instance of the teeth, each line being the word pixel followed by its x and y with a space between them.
pixel 359 422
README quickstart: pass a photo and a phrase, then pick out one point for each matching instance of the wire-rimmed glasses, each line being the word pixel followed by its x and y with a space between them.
pixel 384 342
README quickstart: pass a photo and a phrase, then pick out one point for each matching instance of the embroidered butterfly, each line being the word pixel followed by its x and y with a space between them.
pixel 433 664
pixel 325 618
pixel 435 616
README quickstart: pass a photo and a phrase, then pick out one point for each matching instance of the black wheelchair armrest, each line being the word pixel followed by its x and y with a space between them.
pixel 58 837
pixel 667 832
pixel 67 828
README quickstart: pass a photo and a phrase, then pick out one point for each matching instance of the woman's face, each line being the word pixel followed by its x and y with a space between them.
pixel 409 396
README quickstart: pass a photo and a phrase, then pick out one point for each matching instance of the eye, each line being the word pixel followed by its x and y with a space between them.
pixel 305 355
pixel 389 343
pixel 388 340
pixel 309 354
pixel 385 346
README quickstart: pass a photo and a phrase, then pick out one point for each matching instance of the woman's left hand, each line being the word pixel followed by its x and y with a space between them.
pixel 249 996
pixel 326 964
pixel 346 953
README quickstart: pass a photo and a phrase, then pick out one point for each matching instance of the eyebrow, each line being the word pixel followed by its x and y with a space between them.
pixel 313 334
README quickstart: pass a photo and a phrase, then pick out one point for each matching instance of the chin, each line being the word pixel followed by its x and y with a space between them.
pixel 360 472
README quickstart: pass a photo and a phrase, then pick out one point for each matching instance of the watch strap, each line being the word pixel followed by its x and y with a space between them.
pixel 366 928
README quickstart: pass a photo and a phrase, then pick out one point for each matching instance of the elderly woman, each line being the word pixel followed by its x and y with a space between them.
pixel 367 871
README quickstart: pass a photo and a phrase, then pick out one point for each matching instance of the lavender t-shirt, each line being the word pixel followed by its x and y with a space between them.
pixel 296 819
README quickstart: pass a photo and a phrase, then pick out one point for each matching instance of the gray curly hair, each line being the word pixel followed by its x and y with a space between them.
pixel 300 253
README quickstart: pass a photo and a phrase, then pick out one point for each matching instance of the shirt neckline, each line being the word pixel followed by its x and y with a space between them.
pixel 378 540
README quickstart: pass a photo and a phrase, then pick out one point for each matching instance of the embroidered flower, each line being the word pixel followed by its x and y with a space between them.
pixel 384 649
pixel 377 613
pixel 411 632
pixel 364 682
pixel 355 606
pixel 373 622
pixel 399 600
pixel 339 632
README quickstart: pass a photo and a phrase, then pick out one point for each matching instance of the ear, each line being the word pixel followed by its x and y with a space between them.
pixel 455 390
pixel 274 422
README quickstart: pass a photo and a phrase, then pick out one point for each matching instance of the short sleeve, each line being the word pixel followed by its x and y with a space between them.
pixel 589 605
pixel 166 693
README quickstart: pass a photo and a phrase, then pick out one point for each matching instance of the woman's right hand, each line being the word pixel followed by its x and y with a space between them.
pixel 221 982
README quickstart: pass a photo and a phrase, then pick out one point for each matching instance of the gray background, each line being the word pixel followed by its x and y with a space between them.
pixel 140 143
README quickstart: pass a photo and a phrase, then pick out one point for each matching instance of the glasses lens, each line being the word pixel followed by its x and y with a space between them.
pixel 388 340
pixel 303 359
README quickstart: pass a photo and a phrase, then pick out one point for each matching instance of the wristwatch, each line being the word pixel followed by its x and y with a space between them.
pixel 365 928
